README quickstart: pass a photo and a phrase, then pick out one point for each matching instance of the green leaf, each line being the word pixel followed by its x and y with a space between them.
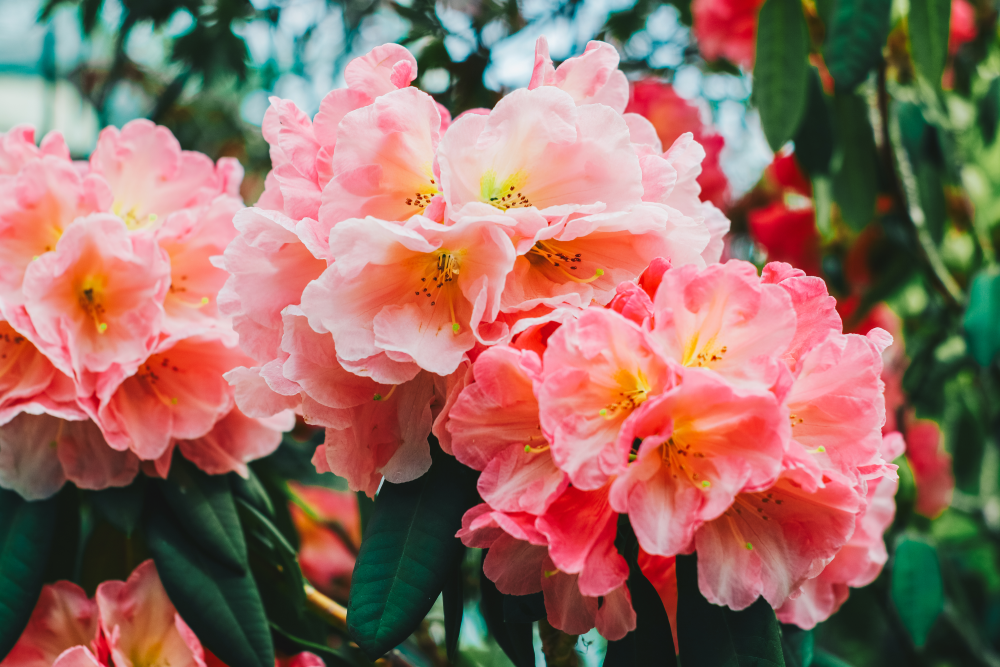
pixel 855 182
pixel 982 316
pixel 121 507
pixel 252 490
pixel 814 140
pixel 798 646
pixel 855 39
pixel 714 636
pixel 781 69
pixel 928 23
pixel 222 607
pixel 26 530
pixel 989 112
pixel 650 643
pixel 917 589
pixel 824 659
pixel 452 598
pixel 203 504
pixel 66 536
pixel 408 550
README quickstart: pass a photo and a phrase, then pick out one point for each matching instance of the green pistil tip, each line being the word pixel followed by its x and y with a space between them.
pixel 603 412
pixel 455 328
pixel 821 449
pixel 749 547
pixel 705 484
pixel 173 401
pixel 599 272
pixel 102 327
pixel 204 300
pixel 153 217
pixel 527 449
pixel 377 397
pixel 550 573
pixel 632 457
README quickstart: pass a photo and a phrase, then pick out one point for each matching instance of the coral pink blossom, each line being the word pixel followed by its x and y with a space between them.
pixel 36 206
pixel 590 78
pixel 726 29
pixel 63 618
pixel 671 116
pixel 962 27
pixel 384 160
pixel 537 148
pixel 724 318
pixel 574 613
pixel 494 427
pixel 418 293
pixel 235 440
pixel 597 371
pixel 17 148
pixel 40 453
pixel 177 393
pixel 95 302
pixel 931 466
pixel 30 383
pixel 150 176
pixel 329 536
pixel 702 443
pixel 859 562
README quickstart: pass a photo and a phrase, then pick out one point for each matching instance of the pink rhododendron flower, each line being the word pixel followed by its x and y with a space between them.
pixel 962 26
pixel 63 618
pixel 17 148
pixel 590 78
pixel 30 383
pixel 96 302
pixel 931 466
pixel 726 29
pixel 671 116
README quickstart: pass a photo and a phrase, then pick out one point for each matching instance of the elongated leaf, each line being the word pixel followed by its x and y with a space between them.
pixel 982 316
pixel 204 506
pixel 713 636
pixel 66 536
pixel 26 530
pixel 252 490
pixel 781 69
pixel 989 112
pixel 855 184
pixel 408 550
pixel 917 589
pixel 814 140
pixel 928 23
pixel 798 646
pixel 824 659
pixel 524 608
pixel 855 39
pixel 121 507
pixel 222 607
pixel 514 638
pixel 452 598
pixel 650 643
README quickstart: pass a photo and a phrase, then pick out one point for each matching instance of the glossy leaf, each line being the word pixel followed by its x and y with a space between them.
pixel 524 608
pixel 514 638
pixel 452 597
pixel 814 140
pixel 798 646
pixel 928 23
pixel 221 606
pixel 781 69
pixel 855 183
pixel 407 553
pixel 650 643
pixel 26 530
pixel 252 490
pixel 854 40
pixel 982 316
pixel 121 507
pixel 917 589
pixel 204 506
pixel 714 636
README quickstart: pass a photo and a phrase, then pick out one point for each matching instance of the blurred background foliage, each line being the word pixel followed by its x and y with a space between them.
pixel 892 194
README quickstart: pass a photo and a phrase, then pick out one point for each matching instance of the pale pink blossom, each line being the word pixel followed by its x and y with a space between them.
pixel 30 383
pixel 96 302
pixel 63 618
pixel 931 466
pixel 235 441
pixel 417 292
pixel 150 176
pixel 590 78
pixel 17 148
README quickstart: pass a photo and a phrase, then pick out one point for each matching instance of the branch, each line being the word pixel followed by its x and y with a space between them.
pixel 332 612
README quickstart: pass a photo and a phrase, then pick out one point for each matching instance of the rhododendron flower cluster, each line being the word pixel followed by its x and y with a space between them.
pixel 392 244
pixel 126 624
pixel 112 346
pixel 723 412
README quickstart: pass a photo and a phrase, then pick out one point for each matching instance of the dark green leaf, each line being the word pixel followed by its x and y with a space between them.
pixel 222 607
pixel 294 643
pixel 982 316
pixel 524 608
pixel 204 506
pixel 989 112
pixel 408 550
pixel 917 589
pixel 651 642
pixel 453 600
pixel 781 69
pixel 928 23
pixel 66 536
pixel 814 140
pixel 824 659
pixel 930 186
pixel 121 507
pixel 854 40
pixel 713 636
pixel 855 183
pixel 798 646
pixel 252 491
pixel 514 638
pixel 26 530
